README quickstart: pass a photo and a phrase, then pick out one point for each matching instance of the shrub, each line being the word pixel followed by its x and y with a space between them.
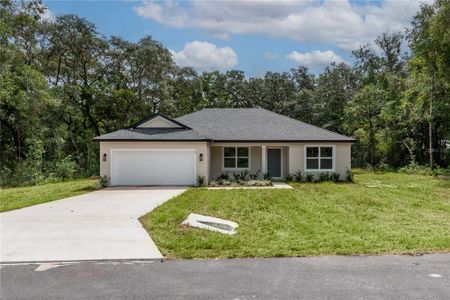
pixel 290 177
pixel 335 177
pixel 254 176
pixel 65 168
pixel 298 176
pixel 244 175
pixel 323 177
pixel 309 177
pixel 200 180
pixel 223 176
pixel 349 175
pixel 266 176
pixel 103 181
pixel 384 167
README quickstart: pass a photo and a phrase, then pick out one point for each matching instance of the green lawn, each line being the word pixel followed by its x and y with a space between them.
pixel 379 213
pixel 14 198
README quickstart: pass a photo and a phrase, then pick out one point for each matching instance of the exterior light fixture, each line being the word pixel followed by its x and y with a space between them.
pixel 104 156
pixel 200 157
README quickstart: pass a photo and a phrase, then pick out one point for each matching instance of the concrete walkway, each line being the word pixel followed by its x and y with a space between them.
pixel 94 226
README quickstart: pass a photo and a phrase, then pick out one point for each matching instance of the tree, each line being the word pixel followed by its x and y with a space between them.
pixel 363 119
pixel 429 40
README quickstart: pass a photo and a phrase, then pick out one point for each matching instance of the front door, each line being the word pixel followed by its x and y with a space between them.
pixel 274 162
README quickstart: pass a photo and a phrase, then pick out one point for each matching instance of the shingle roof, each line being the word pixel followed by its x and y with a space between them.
pixel 232 124
pixel 153 134
pixel 254 124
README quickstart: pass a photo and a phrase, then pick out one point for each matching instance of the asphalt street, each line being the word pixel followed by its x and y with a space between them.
pixel 330 277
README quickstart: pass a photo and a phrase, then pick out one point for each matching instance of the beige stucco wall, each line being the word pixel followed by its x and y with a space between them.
pixel 217 164
pixel 199 147
pixel 211 166
pixel 342 160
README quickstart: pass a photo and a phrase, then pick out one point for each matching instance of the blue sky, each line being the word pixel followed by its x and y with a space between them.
pixel 251 36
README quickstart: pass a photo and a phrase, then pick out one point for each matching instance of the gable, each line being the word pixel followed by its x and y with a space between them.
pixel 158 122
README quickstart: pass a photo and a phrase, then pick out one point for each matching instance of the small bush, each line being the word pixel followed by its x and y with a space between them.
pixel 103 182
pixel 267 176
pixel 200 180
pixel 242 176
pixel 298 176
pixel 290 177
pixel 309 177
pixel 254 176
pixel 323 177
pixel 384 167
pixel 223 176
pixel 349 175
pixel 335 177
pixel 65 168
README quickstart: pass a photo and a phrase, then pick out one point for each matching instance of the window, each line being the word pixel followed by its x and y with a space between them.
pixel 319 158
pixel 236 157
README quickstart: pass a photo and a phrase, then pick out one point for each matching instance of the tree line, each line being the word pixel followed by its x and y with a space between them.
pixel 63 83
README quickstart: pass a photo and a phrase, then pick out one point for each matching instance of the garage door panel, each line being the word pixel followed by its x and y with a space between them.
pixel 153 167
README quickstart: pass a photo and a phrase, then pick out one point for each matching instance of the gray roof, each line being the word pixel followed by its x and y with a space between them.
pixel 232 124
pixel 153 134
pixel 254 124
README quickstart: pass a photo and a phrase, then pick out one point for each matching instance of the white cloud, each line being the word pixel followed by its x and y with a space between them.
pixel 341 23
pixel 205 56
pixel 315 59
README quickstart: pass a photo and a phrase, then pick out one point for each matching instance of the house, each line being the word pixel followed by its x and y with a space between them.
pixel 159 150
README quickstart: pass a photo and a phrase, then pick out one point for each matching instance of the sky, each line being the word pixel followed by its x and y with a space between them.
pixel 254 36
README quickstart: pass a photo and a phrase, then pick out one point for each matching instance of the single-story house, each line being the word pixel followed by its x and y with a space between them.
pixel 159 150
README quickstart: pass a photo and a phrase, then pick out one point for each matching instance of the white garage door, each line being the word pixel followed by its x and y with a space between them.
pixel 153 167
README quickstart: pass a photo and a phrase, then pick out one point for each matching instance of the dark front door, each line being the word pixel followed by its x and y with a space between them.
pixel 274 162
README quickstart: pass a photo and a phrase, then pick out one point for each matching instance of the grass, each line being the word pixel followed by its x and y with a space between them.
pixel 380 213
pixel 14 198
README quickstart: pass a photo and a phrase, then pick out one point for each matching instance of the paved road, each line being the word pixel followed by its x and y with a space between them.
pixel 99 225
pixel 383 277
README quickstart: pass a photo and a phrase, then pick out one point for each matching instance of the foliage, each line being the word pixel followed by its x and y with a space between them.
pixel 382 213
pixel 290 177
pixel 223 176
pixel 65 168
pixel 298 176
pixel 103 182
pixel 335 177
pixel 309 177
pixel 241 176
pixel 349 175
pixel 200 180
pixel 267 176
pixel 62 83
pixel 242 183
pixel 323 177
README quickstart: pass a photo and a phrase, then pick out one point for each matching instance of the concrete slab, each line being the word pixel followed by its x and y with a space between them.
pixel 281 185
pixel 95 226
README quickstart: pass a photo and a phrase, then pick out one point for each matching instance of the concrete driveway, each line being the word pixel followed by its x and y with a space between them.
pixel 94 226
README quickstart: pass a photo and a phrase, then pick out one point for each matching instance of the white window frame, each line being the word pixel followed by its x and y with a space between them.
pixel 236 158
pixel 333 158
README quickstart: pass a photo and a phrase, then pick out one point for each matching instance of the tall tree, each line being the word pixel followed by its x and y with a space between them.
pixel 429 40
